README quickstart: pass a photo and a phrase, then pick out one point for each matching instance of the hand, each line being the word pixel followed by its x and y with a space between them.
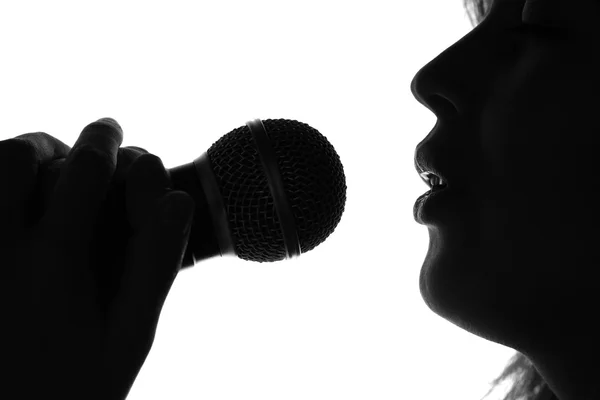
pixel 79 309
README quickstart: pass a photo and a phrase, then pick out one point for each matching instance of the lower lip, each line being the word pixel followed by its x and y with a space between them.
pixel 428 204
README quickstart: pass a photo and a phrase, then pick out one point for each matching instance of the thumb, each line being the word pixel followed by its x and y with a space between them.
pixel 154 258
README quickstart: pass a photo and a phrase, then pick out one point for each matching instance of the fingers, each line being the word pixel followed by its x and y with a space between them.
pixel 154 256
pixel 146 183
pixel 105 135
pixel 125 159
pixel 20 160
pixel 82 186
pixel 46 147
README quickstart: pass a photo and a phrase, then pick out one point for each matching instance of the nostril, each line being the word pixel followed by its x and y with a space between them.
pixel 442 107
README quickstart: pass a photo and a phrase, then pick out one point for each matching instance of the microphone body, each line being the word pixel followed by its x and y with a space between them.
pixel 256 196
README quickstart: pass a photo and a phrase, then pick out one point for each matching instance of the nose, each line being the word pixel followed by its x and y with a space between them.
pixel 434 100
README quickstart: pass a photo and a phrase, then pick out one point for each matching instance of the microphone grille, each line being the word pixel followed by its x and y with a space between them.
pixel 313 178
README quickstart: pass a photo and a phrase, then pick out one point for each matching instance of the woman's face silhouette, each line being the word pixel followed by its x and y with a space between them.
pixel 514 252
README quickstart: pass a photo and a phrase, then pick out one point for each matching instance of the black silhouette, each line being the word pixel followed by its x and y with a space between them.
pixel 63 336
pixel 512 255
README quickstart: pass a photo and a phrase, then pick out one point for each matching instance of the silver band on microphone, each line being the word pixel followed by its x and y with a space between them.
pixel 280 198
pixel 215 204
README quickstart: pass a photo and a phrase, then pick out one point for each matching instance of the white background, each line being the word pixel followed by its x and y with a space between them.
pixel 344 321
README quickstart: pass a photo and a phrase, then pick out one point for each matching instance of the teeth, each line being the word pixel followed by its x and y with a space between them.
pixel 434 180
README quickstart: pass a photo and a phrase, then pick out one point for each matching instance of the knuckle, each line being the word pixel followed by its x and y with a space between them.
pixel 42 136
pixel 102 128
pixel 139 149
pixel 18 149
pixel 101 135
pixel 128 155
pixel 34 136
pixel 149 161
pixel 90 154
pixel 149 168
pixel 153 158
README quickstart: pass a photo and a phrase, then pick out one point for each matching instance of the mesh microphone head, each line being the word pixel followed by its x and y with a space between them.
pixel 313 179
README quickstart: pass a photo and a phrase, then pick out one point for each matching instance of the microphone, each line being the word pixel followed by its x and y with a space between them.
pixel 266 191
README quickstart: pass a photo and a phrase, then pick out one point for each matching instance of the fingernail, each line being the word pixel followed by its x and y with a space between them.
pixel 112 122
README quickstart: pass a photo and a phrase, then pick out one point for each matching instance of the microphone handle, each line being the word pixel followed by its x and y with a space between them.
pixel 113 228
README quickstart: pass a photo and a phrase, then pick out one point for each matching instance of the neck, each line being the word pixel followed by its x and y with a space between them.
pixel 570 367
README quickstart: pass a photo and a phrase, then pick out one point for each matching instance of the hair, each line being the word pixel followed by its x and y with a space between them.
pixel 526 382
pixel 477 10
